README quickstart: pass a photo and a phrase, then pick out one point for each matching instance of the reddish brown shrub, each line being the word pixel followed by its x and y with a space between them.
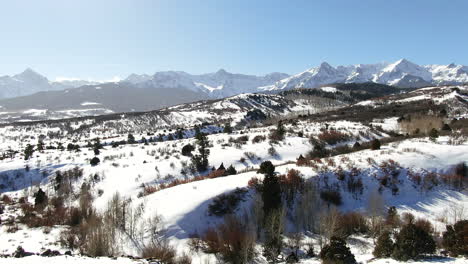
pixel 332 137
pixel 254 183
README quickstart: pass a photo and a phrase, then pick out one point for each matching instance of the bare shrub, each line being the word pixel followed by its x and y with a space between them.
pixel 226 203
pixel 164 253
pixel 232 241
pixel 333 137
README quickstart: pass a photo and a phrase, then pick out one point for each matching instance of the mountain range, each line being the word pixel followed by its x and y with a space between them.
pixel 31 96
pixel 30 82
pixel 220 84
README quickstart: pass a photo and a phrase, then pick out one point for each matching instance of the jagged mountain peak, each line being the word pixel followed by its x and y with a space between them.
pixel 221 71
pixel 452 65
pixel 30 74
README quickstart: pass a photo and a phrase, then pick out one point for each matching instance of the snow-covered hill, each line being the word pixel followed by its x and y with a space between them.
pixel 131 169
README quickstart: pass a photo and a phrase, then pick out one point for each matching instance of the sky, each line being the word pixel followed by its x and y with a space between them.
pixel 108 39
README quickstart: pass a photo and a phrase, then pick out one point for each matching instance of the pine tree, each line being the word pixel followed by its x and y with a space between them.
pixel 231 170
pixel 28 152
pixel 40 145
pixel 180 134
pixel 384 246
pixel 393 219
pixel 201 161
pixel 95 161
pixel 187 150
pixel 272 206
pixel 433 134
pixel 337 252
pixel 227 128
pixel 280 129
pixel 131 139
pixel 40 197
pixel 267 168
pixel 455 239
pixel 375 144
pixel 412 242
pixel 221 167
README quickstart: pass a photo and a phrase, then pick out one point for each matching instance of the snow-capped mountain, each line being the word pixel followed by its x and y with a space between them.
pixel 451 73
pixel 402 73
pixel 216 85
pixel 220 84
pixel 29 82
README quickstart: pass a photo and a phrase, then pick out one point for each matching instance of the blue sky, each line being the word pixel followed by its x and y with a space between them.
pixel 100 39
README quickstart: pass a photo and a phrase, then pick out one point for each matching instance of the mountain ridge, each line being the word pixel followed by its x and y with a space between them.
pixel 402 73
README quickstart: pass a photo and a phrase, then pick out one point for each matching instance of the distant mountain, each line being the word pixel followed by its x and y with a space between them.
pixel 93 100
pixel 215 85
pixel 221 84
pixel 402 73
pixel 30 82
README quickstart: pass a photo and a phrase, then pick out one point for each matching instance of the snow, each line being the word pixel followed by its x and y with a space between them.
pixel 183 208
pixel 35 112
pixel 329 89
pixel 68 260
pixel 89 103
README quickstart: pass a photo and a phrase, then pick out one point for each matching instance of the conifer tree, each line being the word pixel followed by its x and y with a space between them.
pixel 28 152
pixel 384 246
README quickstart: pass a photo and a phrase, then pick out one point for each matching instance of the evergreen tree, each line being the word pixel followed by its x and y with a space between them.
pixel 384 246
pixel 40 145
pixel 95 161
pixel 187 150
pixel 272 207
pixel 357 145
pixel 337 252
pixel 221 167
pixel 180 134
pixel 131 139
pixel 412 242
pixel 197 131
pixel 267 168
pixel 375 144
pixel 231 170
pixel 97 146
pixel 227 128
pixel 201 160
pixel 28 152
pixel 40 197
pixel 433 134
pixel 455 239
pixel 393 219
pixel 280 130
